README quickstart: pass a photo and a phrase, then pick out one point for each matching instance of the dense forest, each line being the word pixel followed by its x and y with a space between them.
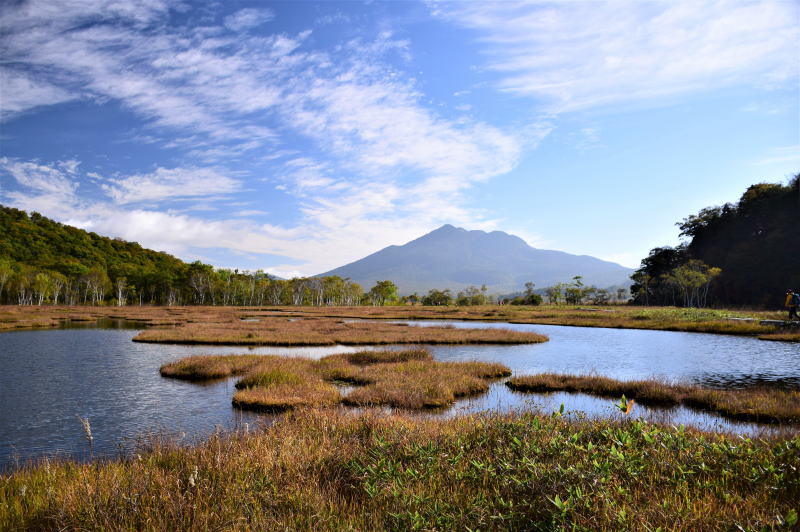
pixel 740 254
pixel 43 261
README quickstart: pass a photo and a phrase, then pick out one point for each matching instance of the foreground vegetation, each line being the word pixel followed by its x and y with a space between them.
pixel 770 405
pixel 403 379
pixel 325 470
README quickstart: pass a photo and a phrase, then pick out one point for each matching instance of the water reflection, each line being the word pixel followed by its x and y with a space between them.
pixel 50 377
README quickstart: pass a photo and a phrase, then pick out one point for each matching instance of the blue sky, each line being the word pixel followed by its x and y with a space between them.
pixel 299 136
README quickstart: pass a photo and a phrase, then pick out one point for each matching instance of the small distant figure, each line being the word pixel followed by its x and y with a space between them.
pixel 792 302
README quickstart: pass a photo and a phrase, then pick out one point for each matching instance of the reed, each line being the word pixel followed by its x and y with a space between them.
pixel 770 405
pixel 283 396
pixel 221 325
pixel 402 379
pixel 781 337
pixel 327 470
pixel 417 385
pixel 209 367
pixel 326 331
pixel 365 358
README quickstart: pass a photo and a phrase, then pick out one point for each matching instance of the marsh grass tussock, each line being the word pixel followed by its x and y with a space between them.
pixel 204 367
pixel 328 470
pixel 280 397
pixel 402 379
pixel 771 405
pixel 220 325
pixel 327 331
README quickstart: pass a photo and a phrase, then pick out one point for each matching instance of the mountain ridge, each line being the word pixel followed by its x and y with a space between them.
pixel 454 257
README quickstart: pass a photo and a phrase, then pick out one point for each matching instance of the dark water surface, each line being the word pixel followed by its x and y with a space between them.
pixel 50 377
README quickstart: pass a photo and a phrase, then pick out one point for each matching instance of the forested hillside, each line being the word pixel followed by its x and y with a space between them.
pixel 744 253
pixel 45 262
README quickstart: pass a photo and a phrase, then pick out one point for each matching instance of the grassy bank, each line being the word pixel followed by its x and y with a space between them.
pixel 751 404
pixel 402 379
pixel 326 331
pixel 330 471
pixel 213 324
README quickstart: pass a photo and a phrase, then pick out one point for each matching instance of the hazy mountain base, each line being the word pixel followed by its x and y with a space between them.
pixel 455 258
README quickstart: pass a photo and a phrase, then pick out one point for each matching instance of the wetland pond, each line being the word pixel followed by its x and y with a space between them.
pixel 50 378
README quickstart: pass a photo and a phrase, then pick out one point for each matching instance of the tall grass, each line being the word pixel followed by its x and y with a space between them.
pixel 220 325
pixel 750 404
pixel 204 367
pixel 325 470
pixel 325 331
pixel 403 379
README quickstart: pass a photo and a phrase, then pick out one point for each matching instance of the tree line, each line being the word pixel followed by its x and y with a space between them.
pixel 573 292
pixel 743 253
pixel 45 262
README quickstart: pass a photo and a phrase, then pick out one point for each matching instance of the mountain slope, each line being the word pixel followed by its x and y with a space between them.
pixel 40 243
pixel 455 258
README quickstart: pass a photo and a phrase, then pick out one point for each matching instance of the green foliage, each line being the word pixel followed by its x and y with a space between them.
pixel 438 298
pixel 383 293
pixel 472 295
pixel 529 297
pixel 751 247
pixel 42 261
pixel 325 470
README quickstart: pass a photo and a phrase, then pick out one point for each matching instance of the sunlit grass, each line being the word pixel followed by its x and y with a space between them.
pixel 326 470
pixel 223 325
pixel 327 331
pixel 204 367
pixel 402 379
pixel 748 404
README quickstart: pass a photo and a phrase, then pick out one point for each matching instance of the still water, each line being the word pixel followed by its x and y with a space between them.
pixel 50 378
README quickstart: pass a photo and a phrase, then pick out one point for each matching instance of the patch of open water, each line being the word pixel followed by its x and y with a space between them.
pixel 52 377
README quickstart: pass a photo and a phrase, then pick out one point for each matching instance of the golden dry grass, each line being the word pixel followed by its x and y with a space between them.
pixel 205 367
pixel 770 405
pixel 402 379
pixel 280 397
pixel 327 331
pixel 224 324
pixel 327 470
pixel 781 337
pixel 416 384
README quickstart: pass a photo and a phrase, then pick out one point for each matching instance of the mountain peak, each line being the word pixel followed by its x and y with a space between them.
pixel 447 228
pixel 453 257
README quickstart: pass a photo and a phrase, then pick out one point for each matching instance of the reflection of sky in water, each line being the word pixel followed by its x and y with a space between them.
pixel 706 359
pixel 577 405
pixel 50 377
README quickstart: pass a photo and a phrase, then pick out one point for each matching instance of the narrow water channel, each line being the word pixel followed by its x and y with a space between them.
pixel 50 378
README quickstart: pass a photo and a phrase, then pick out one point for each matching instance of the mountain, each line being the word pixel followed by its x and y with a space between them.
pixel 451 257
pixel 42 244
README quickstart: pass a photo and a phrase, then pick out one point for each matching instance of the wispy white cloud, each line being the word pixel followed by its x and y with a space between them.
pixel 382 166
pixel 576 55
pixel 169 183
pixel 782 154
pixel 41 178
pixel 21 92
pixel 248 18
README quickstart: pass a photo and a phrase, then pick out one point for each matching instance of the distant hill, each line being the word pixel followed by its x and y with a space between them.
pixel 43 244
pixel 43 261
pixel 753 243
pixel 451 257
